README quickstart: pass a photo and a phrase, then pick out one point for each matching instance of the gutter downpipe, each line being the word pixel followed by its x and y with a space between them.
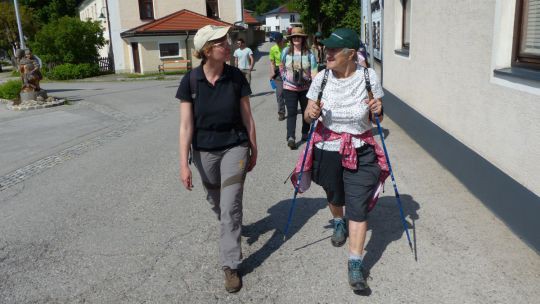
pixel 111 51
pixel 188 55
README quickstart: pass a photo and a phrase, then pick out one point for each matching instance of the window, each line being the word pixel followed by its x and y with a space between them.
pixel 146 9
pixel 277 28
pixel 169 50
pixel 526 48
pixel 406 24
pixel 212 10
pixel 292 18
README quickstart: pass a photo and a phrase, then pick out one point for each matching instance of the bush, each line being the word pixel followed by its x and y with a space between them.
pixel 69 40
pixel 73 71
pixel 10 89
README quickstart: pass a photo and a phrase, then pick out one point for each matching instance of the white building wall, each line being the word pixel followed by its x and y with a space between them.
pixel 448 78
pixel 91 10
pixel 281 20
pixel 124 15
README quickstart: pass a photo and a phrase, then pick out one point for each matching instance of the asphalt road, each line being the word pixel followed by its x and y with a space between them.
pixel 92 211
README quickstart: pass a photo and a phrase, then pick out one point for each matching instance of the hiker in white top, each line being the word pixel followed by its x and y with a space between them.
pixel 243 59
pixel 345 156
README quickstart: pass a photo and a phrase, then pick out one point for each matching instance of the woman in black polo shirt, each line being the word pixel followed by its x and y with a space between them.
pixel 215 118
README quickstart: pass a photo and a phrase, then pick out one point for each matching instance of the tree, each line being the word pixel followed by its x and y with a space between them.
pixel 69 40
pixel 47 10
pixel 9 33
pixel 262 6
pixel 327 15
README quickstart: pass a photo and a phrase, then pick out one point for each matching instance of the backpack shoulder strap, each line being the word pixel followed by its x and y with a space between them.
pixel 193 85
pixel 323 85
pixel 368 83
pixel 370 93
pixel 284 53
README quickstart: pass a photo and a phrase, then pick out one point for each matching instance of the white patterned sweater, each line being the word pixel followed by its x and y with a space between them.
pixel 344 107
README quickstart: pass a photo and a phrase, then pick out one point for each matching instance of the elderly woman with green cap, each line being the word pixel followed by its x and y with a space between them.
pixel 346 160
pixel 216 122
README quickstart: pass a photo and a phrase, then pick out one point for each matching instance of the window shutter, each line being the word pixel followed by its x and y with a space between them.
pixel 530 43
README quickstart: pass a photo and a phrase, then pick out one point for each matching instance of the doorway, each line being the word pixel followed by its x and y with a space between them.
pixel 136 59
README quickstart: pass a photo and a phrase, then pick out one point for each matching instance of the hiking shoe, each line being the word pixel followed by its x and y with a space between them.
pixel 340 233
pixel 233 282
pixel 281 116
pixel 291 143
pixel 356 277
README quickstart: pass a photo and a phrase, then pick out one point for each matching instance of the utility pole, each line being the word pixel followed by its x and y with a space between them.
pixel 21 36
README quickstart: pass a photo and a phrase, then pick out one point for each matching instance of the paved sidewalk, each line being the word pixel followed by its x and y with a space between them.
pixel 108 221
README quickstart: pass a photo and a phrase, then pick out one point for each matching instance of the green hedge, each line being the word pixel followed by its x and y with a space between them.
pixel 10 89
pixel 73 71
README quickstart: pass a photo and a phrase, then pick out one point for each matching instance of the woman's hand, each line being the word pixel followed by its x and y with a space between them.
pixel 375 106
pixel 252 157
pixel 314 110
pixel 185 176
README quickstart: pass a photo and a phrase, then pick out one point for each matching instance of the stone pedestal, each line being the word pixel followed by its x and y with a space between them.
pixel 26 96
pixel 33 95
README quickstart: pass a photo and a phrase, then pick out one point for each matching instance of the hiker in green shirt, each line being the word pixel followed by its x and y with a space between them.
pixel 275 60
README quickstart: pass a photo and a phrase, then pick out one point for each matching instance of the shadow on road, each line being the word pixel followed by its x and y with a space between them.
pixel 62 90
pixel 386 227
pixel 257 55
pixel 375 132
pixel 275 221
pixel 262 94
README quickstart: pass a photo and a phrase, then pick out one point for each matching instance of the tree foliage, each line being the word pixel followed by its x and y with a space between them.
pixel 69 40
pixel 327 15
pixel 262 6
pixel 9 33
pixel 48 10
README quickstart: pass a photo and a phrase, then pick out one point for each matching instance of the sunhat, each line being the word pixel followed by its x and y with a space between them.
pixel 209 33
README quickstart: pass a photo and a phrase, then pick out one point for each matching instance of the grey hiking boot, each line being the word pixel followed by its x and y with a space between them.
pixel 281 116
pixel 291 143
pixel 233 282
pixel 356 277
pixel 340 233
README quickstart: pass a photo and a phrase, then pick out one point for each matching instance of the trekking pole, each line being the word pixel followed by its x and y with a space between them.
pixel 310 135
pixel 398 200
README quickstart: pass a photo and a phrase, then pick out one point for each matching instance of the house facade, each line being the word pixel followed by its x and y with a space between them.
pixel 280 19
pixel 138 52
pixel 376 25
pixel 471 73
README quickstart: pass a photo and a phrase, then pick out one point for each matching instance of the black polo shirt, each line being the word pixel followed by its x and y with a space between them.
pixel 216 109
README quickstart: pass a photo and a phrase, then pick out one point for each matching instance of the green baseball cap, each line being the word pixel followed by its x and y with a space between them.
pixel 342 38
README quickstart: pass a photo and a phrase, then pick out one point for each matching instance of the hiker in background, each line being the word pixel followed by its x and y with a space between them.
pixel 275 61
pixel 318 51
pixel 298 66
pixel 243 58
pixel 216 120
pixel 346 160
pixel 362 56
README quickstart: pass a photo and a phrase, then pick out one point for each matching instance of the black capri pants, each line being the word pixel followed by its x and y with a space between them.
pixel 345 187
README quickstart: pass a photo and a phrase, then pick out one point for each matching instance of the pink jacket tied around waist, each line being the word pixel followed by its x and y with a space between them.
pixel 348 158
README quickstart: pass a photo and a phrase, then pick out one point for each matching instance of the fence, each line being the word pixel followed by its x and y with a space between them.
pixel 106 64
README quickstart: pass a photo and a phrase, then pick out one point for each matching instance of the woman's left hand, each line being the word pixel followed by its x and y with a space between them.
pixel 252 158
pixel 375 106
